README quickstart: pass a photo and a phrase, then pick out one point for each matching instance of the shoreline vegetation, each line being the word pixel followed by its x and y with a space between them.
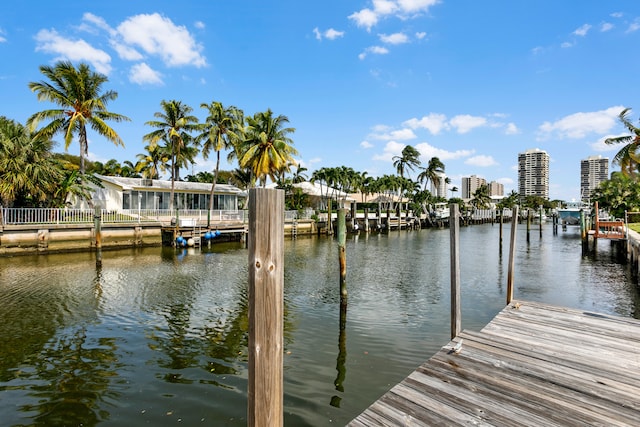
pixel 33 175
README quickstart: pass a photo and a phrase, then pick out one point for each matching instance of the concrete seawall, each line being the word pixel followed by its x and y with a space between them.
pixel 31 239
pixel 51 238
pixel 633 252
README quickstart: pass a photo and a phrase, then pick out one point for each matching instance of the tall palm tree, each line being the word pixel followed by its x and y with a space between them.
pixel 407 161
pixel 628 157
pixel 223 129
pixel 432 172
pixel 267 148
pixel 28 171
pixel 78 91
pixel 173 126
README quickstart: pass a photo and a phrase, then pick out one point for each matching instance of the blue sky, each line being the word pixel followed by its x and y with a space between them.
pixel 472 82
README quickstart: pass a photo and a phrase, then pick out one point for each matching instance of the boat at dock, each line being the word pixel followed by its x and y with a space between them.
pixel 570 215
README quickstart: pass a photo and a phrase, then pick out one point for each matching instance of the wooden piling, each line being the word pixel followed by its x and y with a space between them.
pixel 366 220
pixel 266 307
pixel 454 228
pixel 540 220
pixel 97 224
pixel 512 254
pixel 342 253
pixel 528 223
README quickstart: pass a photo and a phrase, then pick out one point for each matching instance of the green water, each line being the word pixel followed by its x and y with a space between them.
pixel 159 336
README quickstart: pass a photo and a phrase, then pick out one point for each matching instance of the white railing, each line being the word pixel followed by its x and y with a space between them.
pixel 18 216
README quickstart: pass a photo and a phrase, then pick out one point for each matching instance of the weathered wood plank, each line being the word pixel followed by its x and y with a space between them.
pixel 535 365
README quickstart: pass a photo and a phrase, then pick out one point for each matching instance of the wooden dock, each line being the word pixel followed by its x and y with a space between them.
pixel 532 365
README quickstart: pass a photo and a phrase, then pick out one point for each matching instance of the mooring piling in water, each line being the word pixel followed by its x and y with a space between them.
pixel 266 307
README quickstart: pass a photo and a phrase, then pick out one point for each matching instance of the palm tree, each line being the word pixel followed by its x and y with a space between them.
pixel 28 171
pixel 481 197
pixel 299 175
pixel 152 163
pixel 223 130
pixel 409 159
pixel 173 126
pixel 432 172
pixel 628 157
pixel 78 91
pixel 453 189
pixel 267 149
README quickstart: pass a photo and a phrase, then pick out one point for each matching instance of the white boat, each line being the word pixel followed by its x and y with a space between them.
pixel 570 215
pixel 441 211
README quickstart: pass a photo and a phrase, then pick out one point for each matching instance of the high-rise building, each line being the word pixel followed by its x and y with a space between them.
pixel 496 189
pixel 533 173
pixel 470 184
pixel 439 188
pixel 593 170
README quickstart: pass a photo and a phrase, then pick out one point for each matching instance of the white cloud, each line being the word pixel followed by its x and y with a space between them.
pixel 428 151
pixel 434 123
pixel 366 144
pixel 634 26
pixel 391 149
pixel 481 160
pixel 579 125
pixel 50 41
pixel 2 38
pixel 90 22
pixel 143 74
pixel 330 34
pixel 400 135
pixel 126 52
pixel 600 146
pixel 511 129
pixel 606 26
pixel 566 45
pixel 420 35
pixel 402 9
pixel 376 50
pixel 464 123
pixel 413 6
pixel 582 31
pixel 159 36
pixel 199 25
pixel 396 38
pixel 366 18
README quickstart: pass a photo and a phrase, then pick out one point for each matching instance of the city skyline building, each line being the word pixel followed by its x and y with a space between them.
pixel 470 184
pixel 440 190
pixel 496 188
pixel 533 173
pixel 593 170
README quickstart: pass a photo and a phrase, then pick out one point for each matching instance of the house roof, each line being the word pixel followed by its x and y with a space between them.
pixel 162 185
pixel 320 190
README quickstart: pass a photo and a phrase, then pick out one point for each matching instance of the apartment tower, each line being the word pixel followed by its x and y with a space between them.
pixel 593 170
pixel 533 173
pixel 470 184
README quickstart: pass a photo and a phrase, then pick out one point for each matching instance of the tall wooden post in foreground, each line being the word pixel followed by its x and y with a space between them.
pixel 266 307
pixel 342 252
pixel 512 254
pixel 454 232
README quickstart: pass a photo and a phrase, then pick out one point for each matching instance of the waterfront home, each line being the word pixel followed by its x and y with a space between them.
pixel 118 193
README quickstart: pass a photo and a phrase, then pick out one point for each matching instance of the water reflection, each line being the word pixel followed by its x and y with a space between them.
pixel 159 336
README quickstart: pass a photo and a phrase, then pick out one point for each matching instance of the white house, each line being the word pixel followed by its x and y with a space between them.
pixel 120 193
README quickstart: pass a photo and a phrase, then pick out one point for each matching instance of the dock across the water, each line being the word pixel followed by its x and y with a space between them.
pixel 533 365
